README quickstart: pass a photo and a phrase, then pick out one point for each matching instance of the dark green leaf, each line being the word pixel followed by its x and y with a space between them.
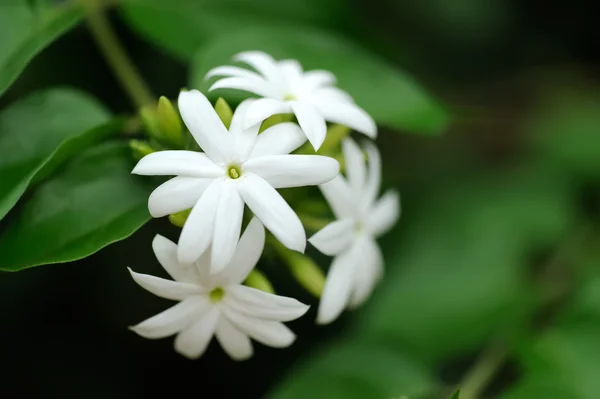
pixel 41 131
pixel 456 394
pixel 181 26
pixel 93 202
pixel 25 32
pixel 355 370
pixel 391 96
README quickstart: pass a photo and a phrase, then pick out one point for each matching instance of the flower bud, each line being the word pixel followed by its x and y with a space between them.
pixel 150 122
pixel 335 134
pixel 256 279
pixel 224 111
pixel 306 272
pixel 169 122
pixel 179 218
pixel 274 120
pixel 140 148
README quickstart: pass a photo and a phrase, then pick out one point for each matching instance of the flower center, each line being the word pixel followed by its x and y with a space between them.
pixel 234 171
pixel 358 228
pixel 289 97
pixel 217 295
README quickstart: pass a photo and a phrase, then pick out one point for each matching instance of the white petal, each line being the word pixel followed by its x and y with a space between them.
pixel 312 122
pixel 256 86
pixel 272 210
pixel 385 213
pixel 339 285
pixel 260 298
pixel 291 71
pixel 163 288
pixel 204 124
pixel 334 238
pixel 232 71
pixel 356 170
pixel 280 139
pixel 193 341
pixel 374 177
pixel 174 319
pixel 263 108
pixel 166 252
pixel 228 224
pixel 332 94
pixel 243 137
pixel 234 342
pixel 197 232
pixel 347 114
pixel 270 333
pixel 260 61
pixel 176 195
pixel 266 310
pixel 246 256
pixel 282 171
pixel 368 273
pixel 183 163
pixel 338 194
pixel 315 79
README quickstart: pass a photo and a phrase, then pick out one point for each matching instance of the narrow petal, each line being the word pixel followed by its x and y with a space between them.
pixel 332 94
pixel 183 163
pixel 385 213
pixel 356 170
pixel 334 238
pixel 260 61
pixel 282 171
pixel 347 114
pixel 270 333
pixel 193 341
pixel 260 298
pixel 232 71
pixel 228 223
pixel 174 319
pixel 311 122
pixel 204 124
pixel 374 176
pixel 315 79
pixel 234 342
pixel 163 288
pixel 338 194
pixel 243 137
pixel 268 310
pixel 176 195
pixel 272 210
pixel 338 286
pixel 291 71
pixel 263 108
pixel 280 139
pixel 368 273
pixel 166 252
pixel 197 233
pixel 246 256
pixel 256 86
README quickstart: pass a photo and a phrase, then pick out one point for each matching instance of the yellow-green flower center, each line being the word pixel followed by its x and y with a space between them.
pixel 234 171
pixel 217 295
pixel 289 97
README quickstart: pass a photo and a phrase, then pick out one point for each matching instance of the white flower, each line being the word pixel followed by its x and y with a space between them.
pixel 361 218
pixel 238 166
pixel 309 95
pixel 217 304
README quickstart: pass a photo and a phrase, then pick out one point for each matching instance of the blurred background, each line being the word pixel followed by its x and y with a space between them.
pixel 496 256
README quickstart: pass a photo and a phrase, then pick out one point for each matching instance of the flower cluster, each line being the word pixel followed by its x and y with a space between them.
pixel 243 163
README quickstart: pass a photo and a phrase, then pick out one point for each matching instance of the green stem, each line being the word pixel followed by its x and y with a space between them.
pixel 482 371
pixel 117 58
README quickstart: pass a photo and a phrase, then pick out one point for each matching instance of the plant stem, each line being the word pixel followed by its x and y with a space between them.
pixel 482 371
pixel 117 58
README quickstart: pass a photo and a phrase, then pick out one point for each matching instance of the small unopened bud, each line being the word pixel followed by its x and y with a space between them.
pixel 224 111
pixel 169 122
pixel 256 279
pixel 140 148
pixel 306 272
pixel 335 135
pixel 149 120
pixel 179 218
pixel 274 120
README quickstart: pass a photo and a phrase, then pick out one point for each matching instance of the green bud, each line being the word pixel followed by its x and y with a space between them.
pixel 303 268
pixel 256 279
pixel 224 111
pixel 140 148
pixel 179 218
pixel 149 120
pixel 169 122
pixel 335 135
pixel 274 120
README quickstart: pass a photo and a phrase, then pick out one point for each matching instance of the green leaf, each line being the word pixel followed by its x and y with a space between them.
pixel 456 395
pixel 181 26
pixel 358 370
pixel 539 388
pixel 41 131
pixel 93 202
pixel 390 95
pixel 24 32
